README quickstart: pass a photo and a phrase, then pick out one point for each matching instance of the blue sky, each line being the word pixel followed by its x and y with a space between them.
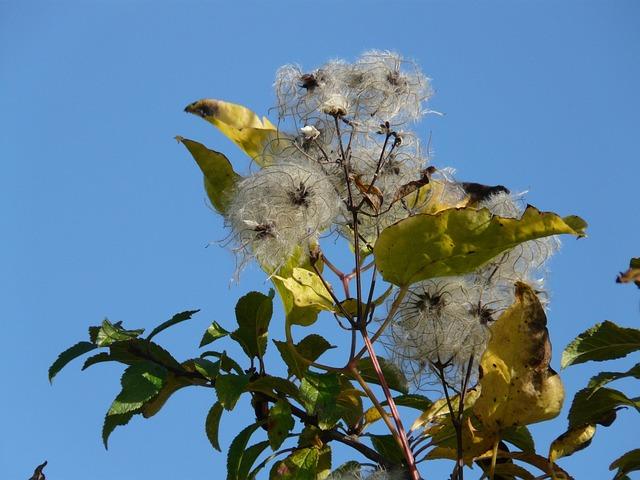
pixel 103 212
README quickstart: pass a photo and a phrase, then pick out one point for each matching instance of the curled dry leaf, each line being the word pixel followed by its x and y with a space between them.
pixel 409 188
pixel 372 194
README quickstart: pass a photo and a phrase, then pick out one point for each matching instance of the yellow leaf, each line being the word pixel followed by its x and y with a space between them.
pixel 303 295
pixel 439 408
pixel 242 126
pixel 571 441
pixel 475 442
pixel 458 241
pixel 219 177
pixel 307 289
pixel 372 415
pixel 517 385
pixel 433 198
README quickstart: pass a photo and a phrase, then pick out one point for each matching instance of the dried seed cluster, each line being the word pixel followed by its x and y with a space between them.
pixel 352 149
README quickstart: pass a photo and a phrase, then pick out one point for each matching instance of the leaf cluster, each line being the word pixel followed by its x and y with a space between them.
pixel 597 404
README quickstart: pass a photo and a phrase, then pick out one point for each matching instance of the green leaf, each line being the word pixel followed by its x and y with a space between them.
pixel 110 424
pixel 604 378
pixel 213 333
pixel 140 383
pixel 171 385
pixel 177 318
pixel 253 313
pixel 97 358
pixel 598 407
pixel 109 333
pixel 69 354
pixel 227 364
pixel 306 291
pixel 323 470
pixel 208 369
pixel 350 406
pixel 219 177
pixel 411 400
pixel 242 126
pixel 309 436
pixel 261 465
pixel 229 388
pixel 135 349
pixel 212 424
pixel 300 465
pixel 457 241
pixel 319 394
pixel 387 446
pixel 299 357
pixel 629 462
pixel 520 436
pixel 237 451
pixel 249 458
pixel 604 341
pixel 271 386
pixel 392 374
pixel 279 423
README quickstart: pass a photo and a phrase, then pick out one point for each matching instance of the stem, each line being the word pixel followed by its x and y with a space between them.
pixel 411 463
pixel 494 457
pixel 383 413
pixel 333 296
pixel 458 470
pixel 392 311
pixel 333 434
pixel 344 278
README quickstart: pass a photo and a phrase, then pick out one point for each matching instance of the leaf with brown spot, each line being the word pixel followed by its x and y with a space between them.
pixel 517 386
pixel 258 138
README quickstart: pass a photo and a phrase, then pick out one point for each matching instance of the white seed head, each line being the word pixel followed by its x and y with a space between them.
pixel 279 208
pixel 389 88
pixel 335 105
pixel 436 326
pixel 523 263
pixel 310 132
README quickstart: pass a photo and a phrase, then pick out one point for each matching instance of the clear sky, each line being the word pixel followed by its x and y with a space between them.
pixel 103 213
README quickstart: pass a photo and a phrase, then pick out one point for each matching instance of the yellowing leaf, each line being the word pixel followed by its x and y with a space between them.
pixel 475 442
pixel 571 441
pixel 517 385
pixel 219 177
pixel 242 126
pixel 433 198
pixel 439 408
pixel 306 291
pixel 457 241
pixel 295 314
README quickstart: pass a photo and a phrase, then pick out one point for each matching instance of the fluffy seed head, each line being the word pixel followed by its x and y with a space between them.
pixel 279 208
pixel 437 327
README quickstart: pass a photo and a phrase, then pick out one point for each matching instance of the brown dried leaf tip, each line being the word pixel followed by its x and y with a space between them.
pixel 37 473
pixel 632 274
